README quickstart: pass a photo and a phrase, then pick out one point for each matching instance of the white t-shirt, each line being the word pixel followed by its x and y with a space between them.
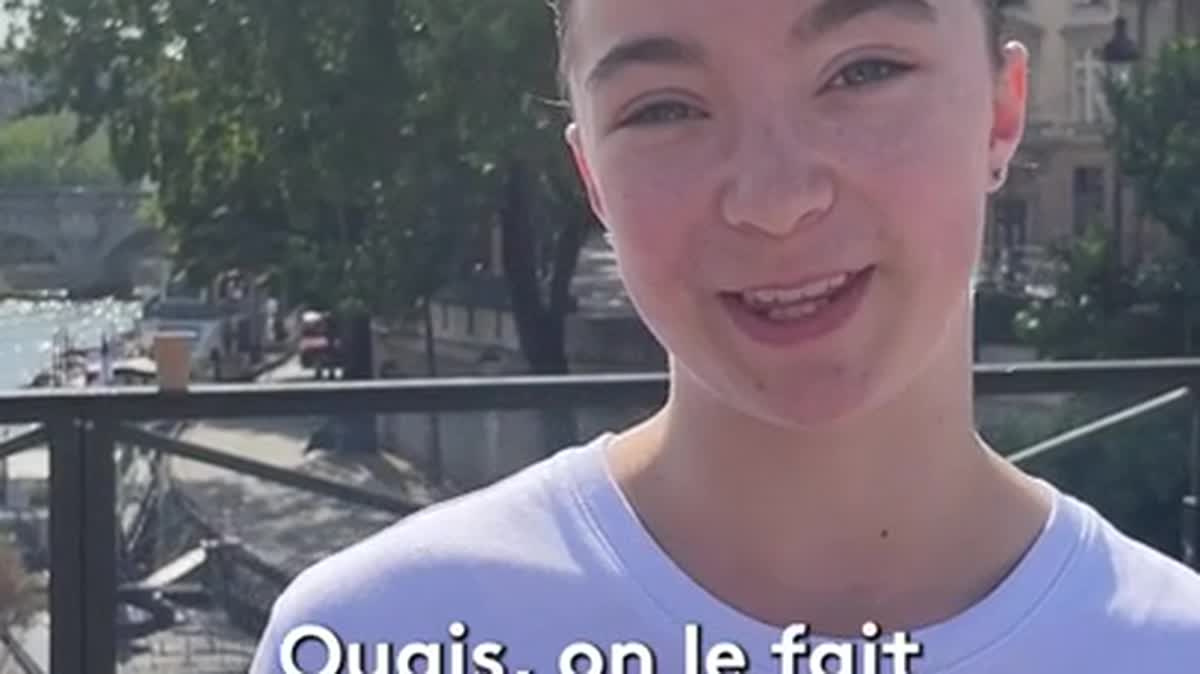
pixel 554 555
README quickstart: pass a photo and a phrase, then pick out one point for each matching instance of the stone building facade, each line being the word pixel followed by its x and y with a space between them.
pixel 1063 181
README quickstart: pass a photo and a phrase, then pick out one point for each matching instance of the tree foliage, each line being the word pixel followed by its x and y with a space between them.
pixel 41 152
pixel 1088 314
pixel 355 148
pixel 1137 473
pixel 1102 310
pixel 1158 138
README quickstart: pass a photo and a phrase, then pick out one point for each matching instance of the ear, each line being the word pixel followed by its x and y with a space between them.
pixel 1010 102
pixel 575 143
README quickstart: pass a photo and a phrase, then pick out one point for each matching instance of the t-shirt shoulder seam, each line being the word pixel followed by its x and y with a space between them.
pixel 1070 561
pixel 593 523
pixel 592 519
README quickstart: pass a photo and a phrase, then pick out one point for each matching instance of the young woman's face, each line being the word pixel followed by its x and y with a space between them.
pixel 737 152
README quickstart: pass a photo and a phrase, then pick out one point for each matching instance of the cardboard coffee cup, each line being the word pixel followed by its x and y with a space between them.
pixel 173 357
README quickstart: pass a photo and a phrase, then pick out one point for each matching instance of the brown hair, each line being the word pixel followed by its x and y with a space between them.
pixel 991 10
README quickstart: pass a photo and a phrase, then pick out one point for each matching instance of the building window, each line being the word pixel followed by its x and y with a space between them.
pixel 1088 198
pixel 1007 239
pixel 1011 224
pixel 1089 101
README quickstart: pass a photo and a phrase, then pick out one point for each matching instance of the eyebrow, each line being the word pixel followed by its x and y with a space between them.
pixel 648 50
pixel 827 16
pixel 833 14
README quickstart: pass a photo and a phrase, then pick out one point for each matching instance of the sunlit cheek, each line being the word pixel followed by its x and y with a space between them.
pixel 882 139
pixel 656 198
pixel 660 163
pixel 915 164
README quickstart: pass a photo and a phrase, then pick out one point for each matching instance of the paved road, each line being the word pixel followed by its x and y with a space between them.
pixel 287 527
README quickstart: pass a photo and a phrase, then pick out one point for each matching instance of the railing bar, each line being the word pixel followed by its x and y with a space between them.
pixel 1083 376
pixel 67 554
pixel 1194 453
pixel 238 554
pixel 525 392
pixel 100 547
pixel 23 443
pixel 241 401
pixel 1190 526
pixel 225 545
pixel 1104 423
pixel 1191 531
pixel 24 660
pixel 284 476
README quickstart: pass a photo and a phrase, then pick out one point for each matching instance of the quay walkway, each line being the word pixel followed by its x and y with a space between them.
pixel 284 528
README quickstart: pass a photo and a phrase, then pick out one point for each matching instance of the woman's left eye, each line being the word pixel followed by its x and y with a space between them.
pixel 870 71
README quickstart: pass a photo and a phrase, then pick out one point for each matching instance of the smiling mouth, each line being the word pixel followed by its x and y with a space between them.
pixel 797 302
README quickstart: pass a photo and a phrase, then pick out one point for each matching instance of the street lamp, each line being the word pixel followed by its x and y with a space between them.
pixel 1120 54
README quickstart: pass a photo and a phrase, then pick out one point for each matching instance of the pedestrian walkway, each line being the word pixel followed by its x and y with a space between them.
pixel 287 528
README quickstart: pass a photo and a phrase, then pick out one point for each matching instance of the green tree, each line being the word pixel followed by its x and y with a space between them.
pixel 41 152
pixel 351 147
pixel 481 53
pixel 1100 310
pixel 1088 315
pixel 1158 138
pixel 1135 474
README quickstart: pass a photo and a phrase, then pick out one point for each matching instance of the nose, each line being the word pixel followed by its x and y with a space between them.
pixel 776 183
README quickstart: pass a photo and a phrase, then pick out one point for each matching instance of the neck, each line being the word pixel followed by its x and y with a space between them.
pixel 863 520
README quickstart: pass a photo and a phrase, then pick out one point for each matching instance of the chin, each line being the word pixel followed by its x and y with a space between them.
pixel 793 398
pixel 807 404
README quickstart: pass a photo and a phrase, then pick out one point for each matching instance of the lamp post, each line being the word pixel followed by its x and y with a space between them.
pixel 1120 54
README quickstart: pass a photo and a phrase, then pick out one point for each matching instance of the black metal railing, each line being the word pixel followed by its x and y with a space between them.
pixel 83 428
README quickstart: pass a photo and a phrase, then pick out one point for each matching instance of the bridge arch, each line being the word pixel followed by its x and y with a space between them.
pixel 76 239
pixel 121 261
pixel 19 249
pixel 138 243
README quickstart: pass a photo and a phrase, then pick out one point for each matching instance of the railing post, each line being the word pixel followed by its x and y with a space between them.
pixel 82 547
pixel 101 547
pixel 1190 521
pixel 1191 531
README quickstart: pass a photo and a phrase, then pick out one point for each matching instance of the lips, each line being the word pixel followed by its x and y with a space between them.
pixel 797 299
pixel 784 315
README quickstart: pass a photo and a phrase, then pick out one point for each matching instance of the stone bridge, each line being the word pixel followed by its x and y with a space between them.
pixel 76 239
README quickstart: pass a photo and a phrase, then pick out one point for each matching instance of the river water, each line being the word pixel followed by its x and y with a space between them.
pixel 27 338
pixel 28 329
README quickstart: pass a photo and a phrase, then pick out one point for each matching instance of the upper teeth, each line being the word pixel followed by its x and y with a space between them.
pixel 809 291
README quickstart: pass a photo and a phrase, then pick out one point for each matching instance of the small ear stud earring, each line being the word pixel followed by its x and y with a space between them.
pixel 999 175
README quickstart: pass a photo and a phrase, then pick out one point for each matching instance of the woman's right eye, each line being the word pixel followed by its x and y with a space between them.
pixel 664 112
